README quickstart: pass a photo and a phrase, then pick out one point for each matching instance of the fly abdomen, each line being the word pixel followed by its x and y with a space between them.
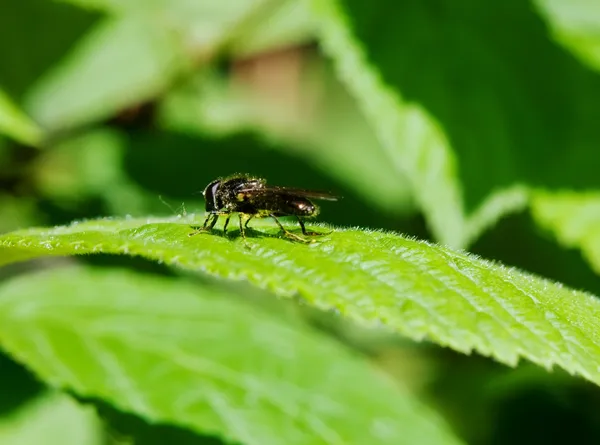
pixel 288 205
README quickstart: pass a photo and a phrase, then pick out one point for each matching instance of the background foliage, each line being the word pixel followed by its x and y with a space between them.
pixel 474 127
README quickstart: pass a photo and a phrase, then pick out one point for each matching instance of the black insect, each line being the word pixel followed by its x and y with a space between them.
pixel 251 197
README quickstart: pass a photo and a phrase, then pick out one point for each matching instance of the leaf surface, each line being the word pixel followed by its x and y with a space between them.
pixel 375 278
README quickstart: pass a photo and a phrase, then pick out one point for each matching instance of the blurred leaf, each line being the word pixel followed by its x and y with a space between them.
pixel 286 23
pixel 84 165
pixel 575 24
pixel 88 165
pixel 417 289
pixel 325 127
pixel 208 28
pixel 17 213
pixel 173 353
pixel 139 52
pixel 412 141
pixel 573 218
pixel 120 63
pixel 16 124
pixel 51 419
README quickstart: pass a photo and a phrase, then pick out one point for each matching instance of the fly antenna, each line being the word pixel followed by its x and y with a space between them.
pixel 175 211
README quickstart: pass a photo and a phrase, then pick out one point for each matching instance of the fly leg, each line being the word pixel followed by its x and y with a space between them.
pixel 226 223
pixel 244 219
pixel 287 232
pixel 208 225
pixel 305 233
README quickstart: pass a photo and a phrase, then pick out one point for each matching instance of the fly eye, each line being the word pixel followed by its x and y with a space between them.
pixel 210 193
pixel 211 189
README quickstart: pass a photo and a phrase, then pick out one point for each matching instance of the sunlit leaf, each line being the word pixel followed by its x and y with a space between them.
pixel 172 352
pixel 375 278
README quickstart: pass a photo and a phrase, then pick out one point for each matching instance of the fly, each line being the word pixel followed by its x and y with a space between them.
pixel 251 197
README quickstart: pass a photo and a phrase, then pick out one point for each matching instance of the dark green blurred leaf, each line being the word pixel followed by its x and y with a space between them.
pixel 513 112
pixel 17 385
pixel 548 412
pixel 34 36
pixel 492 405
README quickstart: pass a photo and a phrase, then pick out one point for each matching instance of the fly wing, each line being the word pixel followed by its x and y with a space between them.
pixel 303 193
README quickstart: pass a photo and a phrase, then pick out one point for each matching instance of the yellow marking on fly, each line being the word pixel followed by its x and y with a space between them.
pixel 241 196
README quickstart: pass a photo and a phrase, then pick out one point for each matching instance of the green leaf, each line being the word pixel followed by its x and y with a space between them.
pixel 375 278
pixel 16 124
pixel 576 25
pixel 413 142
pixel 573 218
pixel 53 419
pixel 173 352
